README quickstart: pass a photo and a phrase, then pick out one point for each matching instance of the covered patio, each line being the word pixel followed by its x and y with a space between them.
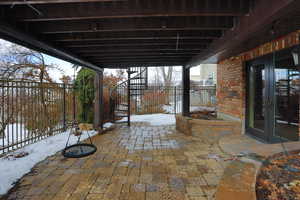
pixel 116 34
pixel 147 161
pixel 140 162
pixel 256 47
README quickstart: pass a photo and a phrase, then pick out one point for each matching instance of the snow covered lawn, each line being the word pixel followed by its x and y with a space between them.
pixel 14 132
pixel 153 119
pixel 13 169
pixel 171 108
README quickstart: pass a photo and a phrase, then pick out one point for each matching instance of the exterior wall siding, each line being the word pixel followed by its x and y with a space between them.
pixel 231 77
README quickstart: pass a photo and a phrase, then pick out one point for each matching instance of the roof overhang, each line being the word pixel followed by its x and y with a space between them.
pixel 124 33
pixel 266 22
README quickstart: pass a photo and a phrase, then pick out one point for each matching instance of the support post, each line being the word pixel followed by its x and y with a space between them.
pixel 146 79
pixel 175 101
pixel 74 103
pixel 64 107
pixel 101 102
pixel 128 97
pixel 186 91
pixel 98 104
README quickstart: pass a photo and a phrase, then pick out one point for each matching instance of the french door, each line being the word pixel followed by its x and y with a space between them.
pixel 273 98
pixel 259 103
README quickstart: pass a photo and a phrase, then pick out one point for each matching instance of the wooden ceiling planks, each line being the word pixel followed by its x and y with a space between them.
pixel 125 31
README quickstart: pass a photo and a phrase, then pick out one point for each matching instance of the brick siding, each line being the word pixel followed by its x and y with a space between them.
pixel 231 76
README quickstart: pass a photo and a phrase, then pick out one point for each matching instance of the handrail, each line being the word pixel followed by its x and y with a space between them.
pixel 115 98
pixel 131 78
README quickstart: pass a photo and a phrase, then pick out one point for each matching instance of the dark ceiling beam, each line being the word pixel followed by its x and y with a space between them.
pixel 139 52
pixel 140 60
pixel 142 64
pixel 129 39
pixel 132 42
pixel 88 51
pixel 135 54
pixel 130 9
pixel 138 44
pixel 143 57
pixel 117 54
pixel 133 25
pixel 11 34
pixel 205 34
pixel 32 2
pixel 257 24
pixel 183 28
pixel 173 46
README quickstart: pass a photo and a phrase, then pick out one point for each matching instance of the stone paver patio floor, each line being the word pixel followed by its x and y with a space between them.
pixel 140 162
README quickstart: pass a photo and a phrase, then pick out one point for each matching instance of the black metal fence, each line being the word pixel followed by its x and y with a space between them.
pixel 203 96
pixel 161 99
pixel 31 111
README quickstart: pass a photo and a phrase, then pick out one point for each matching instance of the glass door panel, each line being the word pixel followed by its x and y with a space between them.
pixel 273 97
pixel 256 98
pixel 287 85
pixel 258 93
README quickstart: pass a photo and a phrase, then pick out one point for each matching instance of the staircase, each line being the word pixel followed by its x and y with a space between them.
pixel 127 92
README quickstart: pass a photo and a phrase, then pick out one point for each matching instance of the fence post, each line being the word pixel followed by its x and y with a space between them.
pixel 175 101
pixel 186 91
pixel 74 103
pixel 64 107
pixel 128 98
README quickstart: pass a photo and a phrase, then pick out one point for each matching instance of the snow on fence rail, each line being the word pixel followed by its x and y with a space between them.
pixel 32 111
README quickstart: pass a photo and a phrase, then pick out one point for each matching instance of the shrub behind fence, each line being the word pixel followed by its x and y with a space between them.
pixel 161 99
pixel 31 111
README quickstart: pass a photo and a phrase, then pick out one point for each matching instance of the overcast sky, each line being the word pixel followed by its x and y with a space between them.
pixel 68 70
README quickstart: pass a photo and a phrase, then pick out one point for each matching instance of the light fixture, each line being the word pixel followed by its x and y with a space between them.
pixel 296 55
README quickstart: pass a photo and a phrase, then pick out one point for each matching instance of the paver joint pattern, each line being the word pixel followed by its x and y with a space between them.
pixel 140 162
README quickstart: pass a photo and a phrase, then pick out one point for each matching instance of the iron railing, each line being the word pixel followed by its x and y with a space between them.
pixel 203 96
pixel 31 111
pixel 123 93
pixel 162 99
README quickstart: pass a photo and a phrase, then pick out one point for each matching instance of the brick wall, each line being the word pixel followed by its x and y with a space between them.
pixel 231 88
pixel 231 77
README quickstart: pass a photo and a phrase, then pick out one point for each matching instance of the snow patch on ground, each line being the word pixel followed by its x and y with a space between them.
pixel 171 108
pixel 153 119
pixel 107 125
pixel 13 169
pixel 14 133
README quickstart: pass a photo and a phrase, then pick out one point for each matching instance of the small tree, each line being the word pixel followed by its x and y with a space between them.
pixel 167 74
pixel 25 64
pixel 84 86
pixel 111 80
pixel 66 79
pixel 164 75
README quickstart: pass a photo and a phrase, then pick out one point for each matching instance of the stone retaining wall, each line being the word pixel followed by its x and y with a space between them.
pixel 191 126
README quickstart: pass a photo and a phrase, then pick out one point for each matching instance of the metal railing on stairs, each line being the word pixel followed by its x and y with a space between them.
pixel 121 95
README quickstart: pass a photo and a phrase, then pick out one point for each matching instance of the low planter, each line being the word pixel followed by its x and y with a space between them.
pixel 192 126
